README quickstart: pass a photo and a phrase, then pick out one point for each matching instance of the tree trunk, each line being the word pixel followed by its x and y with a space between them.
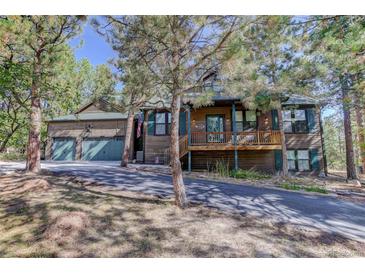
pixel 7 138
pixel 284 172
pixel 360 133
pixel 350 163
pixel 177 178
pixel 324 151
pixel 34 138
pixel 128 138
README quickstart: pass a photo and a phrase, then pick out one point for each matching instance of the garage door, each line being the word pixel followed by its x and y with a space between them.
pixel 102 149
pixel 63 149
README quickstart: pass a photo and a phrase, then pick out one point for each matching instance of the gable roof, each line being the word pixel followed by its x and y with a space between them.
pixel 295 99
pixel 103 105
pixel 87 116
pixel 108 111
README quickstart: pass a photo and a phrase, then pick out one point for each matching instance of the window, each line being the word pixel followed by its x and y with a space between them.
pixel 303 160
pixel 300 122
pixel 239 121
pixel 163 123
pixel 298 160
pixel 291 160
pixel 246 120
pixel 295 121
pixel 250 121
pixel 287 121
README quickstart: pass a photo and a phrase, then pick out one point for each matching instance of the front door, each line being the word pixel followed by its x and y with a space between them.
pixel 215 128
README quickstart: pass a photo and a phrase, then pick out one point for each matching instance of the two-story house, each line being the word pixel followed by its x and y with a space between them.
pixel 224 131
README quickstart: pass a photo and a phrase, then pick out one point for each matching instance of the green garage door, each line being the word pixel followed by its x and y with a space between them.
pixel 63 149
pixel 102 149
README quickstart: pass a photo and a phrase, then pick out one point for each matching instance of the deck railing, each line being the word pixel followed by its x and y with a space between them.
pixel 271 137
pixel 183 148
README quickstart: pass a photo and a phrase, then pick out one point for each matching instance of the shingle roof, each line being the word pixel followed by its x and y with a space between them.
pixel 111 106
pixel 293 99
pixel 87 116
pixel 300 100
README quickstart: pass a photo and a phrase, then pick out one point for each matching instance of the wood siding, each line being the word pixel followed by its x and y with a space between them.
pixel 263 161
pixel 155 147
pixel 311 140
pixel 92 108
pixel 198 117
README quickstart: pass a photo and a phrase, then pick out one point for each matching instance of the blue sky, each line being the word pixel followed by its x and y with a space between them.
pixel 94 47
pixel 98 51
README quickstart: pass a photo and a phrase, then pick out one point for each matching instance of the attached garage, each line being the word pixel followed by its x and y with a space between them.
pixel 94 133
pixel 63 149
pixel 102 149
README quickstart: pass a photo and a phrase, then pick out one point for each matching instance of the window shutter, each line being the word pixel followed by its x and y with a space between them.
pixel 278 160
pixel 311 116
pixel 182 123
pixel 275 119
pixel 151 123
pixel 314 159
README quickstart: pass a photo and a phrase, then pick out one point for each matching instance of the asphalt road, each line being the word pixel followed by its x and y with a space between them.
pixel 318 211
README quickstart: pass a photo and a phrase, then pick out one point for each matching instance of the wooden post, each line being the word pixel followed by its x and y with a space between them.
pixel 234 136
pixel 189 139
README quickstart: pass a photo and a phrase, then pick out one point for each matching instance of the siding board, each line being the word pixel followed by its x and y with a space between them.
pixel 258 160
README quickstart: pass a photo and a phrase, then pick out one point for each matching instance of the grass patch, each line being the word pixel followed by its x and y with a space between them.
pixel 292 186
pixel 222 168
pixel 289 186
pixel 249 174
pixel 315 189
pixel 12 156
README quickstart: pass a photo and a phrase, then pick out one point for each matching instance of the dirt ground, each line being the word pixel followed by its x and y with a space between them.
pixel 47 216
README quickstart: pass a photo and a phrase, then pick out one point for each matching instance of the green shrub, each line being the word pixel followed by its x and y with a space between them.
pixel 293 186
pixel 222 168
pixel 315 189
pixel 249 174
pixel 12 156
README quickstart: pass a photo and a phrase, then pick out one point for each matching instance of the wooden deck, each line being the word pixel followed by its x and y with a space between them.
pixel 231 147
pixel 253 140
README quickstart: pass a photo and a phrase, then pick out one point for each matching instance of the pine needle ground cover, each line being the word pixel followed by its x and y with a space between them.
pixel 47 216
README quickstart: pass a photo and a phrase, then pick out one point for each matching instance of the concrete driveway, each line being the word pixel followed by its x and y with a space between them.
pixel 326 213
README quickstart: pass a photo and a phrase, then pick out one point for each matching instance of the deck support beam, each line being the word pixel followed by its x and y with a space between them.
pixel 234 136
pixel 189 139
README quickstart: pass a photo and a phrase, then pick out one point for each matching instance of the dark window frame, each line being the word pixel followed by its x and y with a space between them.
pixel 245 122
pixel 293 121
pixel 210 115
pixel 206 124
pixel 296 160
pixel 166 123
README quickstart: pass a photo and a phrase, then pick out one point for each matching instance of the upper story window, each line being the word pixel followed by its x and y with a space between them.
pixel 163 123
pixel 295 121
pixel 246 120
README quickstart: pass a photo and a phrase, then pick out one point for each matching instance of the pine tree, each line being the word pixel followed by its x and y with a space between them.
pixel 178 51
pixel 39 41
